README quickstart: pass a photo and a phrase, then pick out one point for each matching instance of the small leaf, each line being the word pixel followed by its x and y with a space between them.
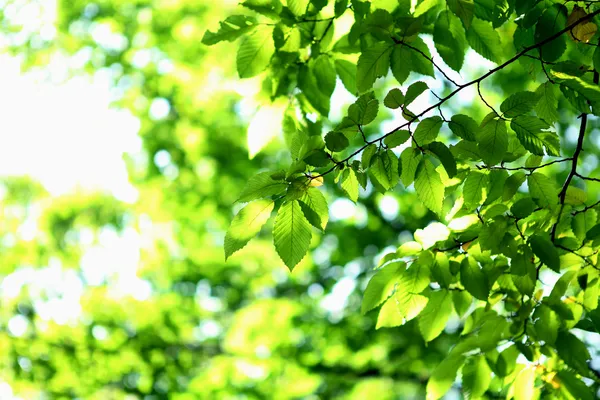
pixel 477 377
pixel 410 159
pixel 445 156
pixel 449 39
pixel 429 187
pixel 523 207
pixel 394 99
pixel 547 105
pixel 336 141
pixel 573 352
pixel 246 224
pixel 325 74
pixel 364 110
pixel 384 169
pixel 382 285
pixel 552 21
pixel 427 130
pixel 484 40
pixel 291 234
pixel 367 155
pixel 261 185
pixel 443 376
pixel 531 134
pixel 463 126
pixel 347 73
pixel 231 29
pixel 414 91
pixel 474 279
pixel 463 9
pixel 396 138
pixel 542 189
pixel 475 189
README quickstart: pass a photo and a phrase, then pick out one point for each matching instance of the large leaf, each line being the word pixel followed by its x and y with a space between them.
pixel 449 39
pixel 474 279
pixel 246 224
pixel 545 250
pixel 262 185
pixel 445 156
pixel 543 189
pixel 475 189
pixel 382 285
pixel 532 134
pixel 291 233
pixel 547 105
pixel 518 104
pixel 350 184
pixel 347 73
pixel 410 159
pixel 384 169
pixel 413 56
pixel 484 40
pixel 315 209
pixel 463 9
pixel 429 187
pixel 463 126
pixel 443 376
pixel 552 21
pixel 434 316
pixel 477 377
pixel 373 63
pixel 427 130
pixel 255 51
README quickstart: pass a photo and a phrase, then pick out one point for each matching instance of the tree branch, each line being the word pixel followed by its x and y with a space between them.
pixel 466 85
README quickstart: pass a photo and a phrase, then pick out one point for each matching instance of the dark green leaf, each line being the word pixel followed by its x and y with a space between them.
pixel 463 126
pixel 545 250
pixel 445 156
pixel 518 104
pixel 336 141
pixel 373 63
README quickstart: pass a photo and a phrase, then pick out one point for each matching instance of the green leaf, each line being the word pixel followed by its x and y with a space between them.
pixel 518 104
pixel 493 141
pixel 449 39
pixel 413 281
pixel 546 323
pixel 435 315
pixel 396 138
pixel 545 250
pixel 291 234
pixel 463 9
pixel 261 185
pixel 336 141
pixel 586 88
pixel 593 233
pixel 414 91
pixel 445 156
pixel 443 376
pixel 394 99
pixel 350 184
pixel 347 73
pixel 573 352
pixel 298 7
pixel 364 110
pixel 547 105
pixel 389 316
pixel 512 184
pixel 325 74
pixel 507 361
pixel 596 59
pixel 477 377
pixel 463 126
pixel 523 207
pixel 575 196
pixel 462 301
pixel 427 130
pixel 255 51
pixel 307 83
pixel 317 158
pixel 574 387
pixel 484 40
pixel 474 279
pixel 429 187
pixel 552 21
pixel 384 169
pixel 475 189
pixel 231 29
pixel 315 209
pixel 367 155
pixel 542 189
pixel 410 159
pixel 414 58
pixel 373 63
pixel 382 285
pixel 531 134
pixel 246 224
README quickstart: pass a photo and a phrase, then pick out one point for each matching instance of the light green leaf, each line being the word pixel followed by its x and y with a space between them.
pixel 347 73
pixel 434 316
pixel 542 189
pixel 382 285
pixel 531 134
pixel 394 99
pixel 493 141
pixel 389 316
pixel 350 184
pixel 518 104
pixel 586 88
pixel 512 184
pixel 545 250
pixel 477 377
pixel 484 40
pixel 474 279
pixel 291 234
pixel 231 29
pixel 429 187
pixel 384 169
pixel 315 209
pixel 443 376
pixel 445 156
pixel 297 7
pixel 367 155
pixel 463 9
pixel 246 224
pixel 475 189
pixel 410 159
pixel 261 185
pixel 463 126
pixel 364 110
pixel 547 105
pixel 546 324
pixel 524 385
pixel 427 130
pixel 462 300
pixel 373 63
pixel 255 51
pixel 449 39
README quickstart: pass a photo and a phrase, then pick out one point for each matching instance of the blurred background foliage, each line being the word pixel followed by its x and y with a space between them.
pixel 195 326
pixel 165 316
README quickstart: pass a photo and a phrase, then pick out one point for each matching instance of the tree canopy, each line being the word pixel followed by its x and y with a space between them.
pixel 426 169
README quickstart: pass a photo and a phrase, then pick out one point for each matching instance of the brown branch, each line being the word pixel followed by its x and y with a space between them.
pixel 531 169
pixel 466 85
